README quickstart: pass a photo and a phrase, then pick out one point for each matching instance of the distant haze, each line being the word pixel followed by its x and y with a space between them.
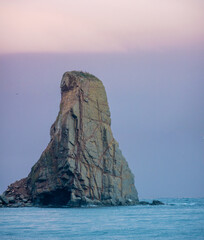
pixel 149 55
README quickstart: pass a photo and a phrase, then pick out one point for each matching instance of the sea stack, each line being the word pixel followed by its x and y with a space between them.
pixel 82 164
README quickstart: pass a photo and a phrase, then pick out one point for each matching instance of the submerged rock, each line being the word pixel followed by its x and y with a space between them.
pixel 82 164
pixel 157 202
pixel 153 203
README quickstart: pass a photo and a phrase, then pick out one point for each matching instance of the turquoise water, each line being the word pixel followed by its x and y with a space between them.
pixel 179 219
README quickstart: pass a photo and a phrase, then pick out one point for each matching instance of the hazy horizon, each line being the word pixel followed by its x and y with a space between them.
pixel 88 26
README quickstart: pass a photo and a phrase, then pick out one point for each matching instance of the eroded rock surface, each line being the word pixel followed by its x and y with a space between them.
pixel 82 164
pixel 17 195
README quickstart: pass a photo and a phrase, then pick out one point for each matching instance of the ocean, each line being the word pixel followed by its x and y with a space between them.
pixel 177 219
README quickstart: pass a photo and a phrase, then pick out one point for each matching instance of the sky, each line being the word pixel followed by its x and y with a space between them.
pixel 99 26
pixel 149 55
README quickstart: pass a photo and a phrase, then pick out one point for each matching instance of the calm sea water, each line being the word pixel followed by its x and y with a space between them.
pixel 179 219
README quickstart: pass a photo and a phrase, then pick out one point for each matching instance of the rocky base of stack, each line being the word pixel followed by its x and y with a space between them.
pixel 18 195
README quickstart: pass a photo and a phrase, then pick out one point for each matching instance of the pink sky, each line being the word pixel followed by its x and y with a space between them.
pixel 100 26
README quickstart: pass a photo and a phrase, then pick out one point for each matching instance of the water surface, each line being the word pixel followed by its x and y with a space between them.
pixel 178 219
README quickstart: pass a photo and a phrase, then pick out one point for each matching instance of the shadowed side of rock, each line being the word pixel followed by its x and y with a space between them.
pixel 82 164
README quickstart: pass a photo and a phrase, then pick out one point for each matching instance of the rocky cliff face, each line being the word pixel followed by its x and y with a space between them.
pixel 82 164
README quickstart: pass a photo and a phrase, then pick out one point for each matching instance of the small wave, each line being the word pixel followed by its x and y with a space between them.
pixel 89 206
pixel 182 204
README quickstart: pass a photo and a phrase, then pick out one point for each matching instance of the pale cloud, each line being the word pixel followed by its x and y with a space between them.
pixel 99 26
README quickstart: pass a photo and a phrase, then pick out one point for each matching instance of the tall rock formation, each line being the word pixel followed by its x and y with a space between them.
pixel 82 164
